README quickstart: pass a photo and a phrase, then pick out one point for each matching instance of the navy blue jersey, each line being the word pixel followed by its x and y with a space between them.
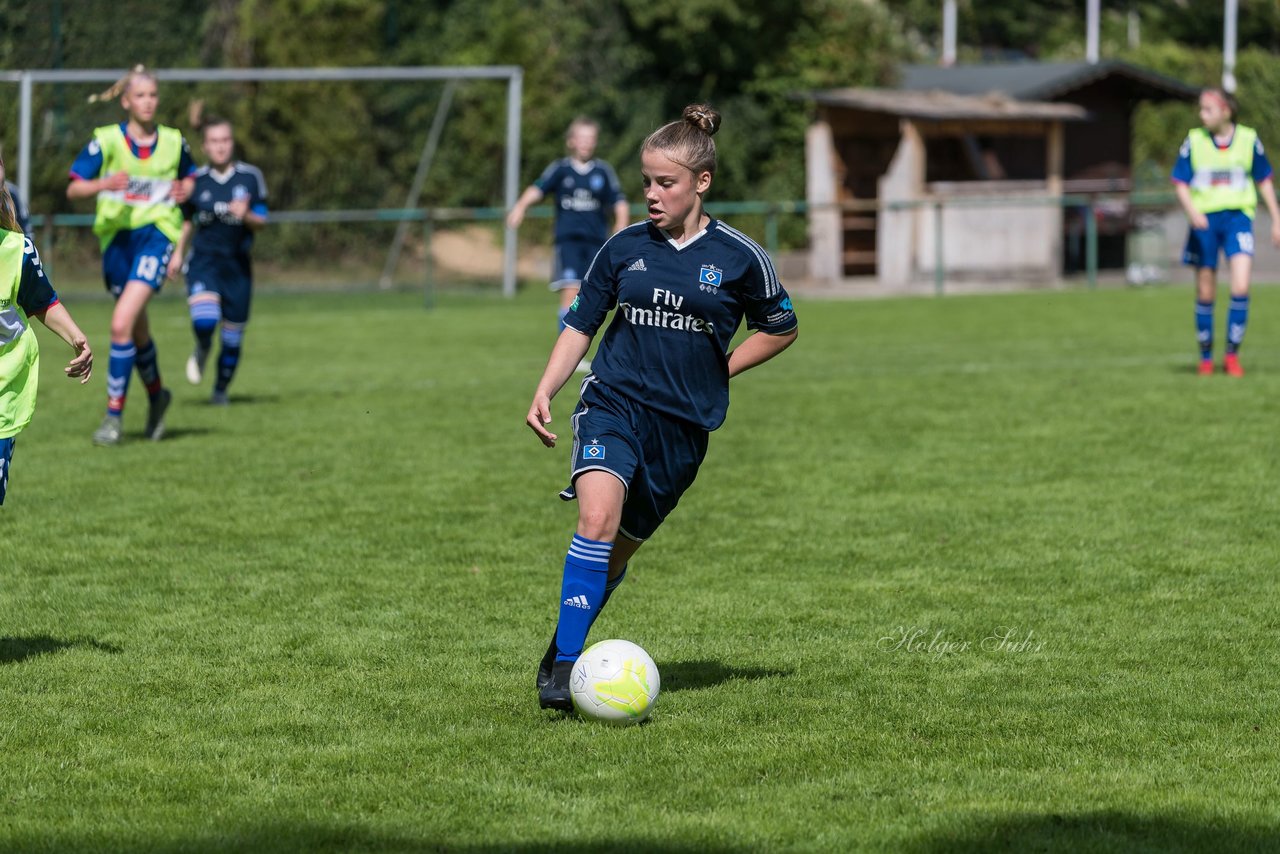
pixel 19 208
pixel 217 231
pixel 678 310
pixel 584 196
pixel 35 294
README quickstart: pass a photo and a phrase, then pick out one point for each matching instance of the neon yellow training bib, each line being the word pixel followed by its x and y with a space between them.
pixel 146 201
pixel 19 350
pixel 1222 178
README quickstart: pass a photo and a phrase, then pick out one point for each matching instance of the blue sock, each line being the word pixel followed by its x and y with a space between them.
pixel 1237 319
pixel 229 356
pixel 560 316
pixel 149 368
pixel 586 573
pixel 204 320
pixel 119 367
pixel 1204 328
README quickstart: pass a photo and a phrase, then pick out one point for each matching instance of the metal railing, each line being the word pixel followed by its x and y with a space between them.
pixel 771 213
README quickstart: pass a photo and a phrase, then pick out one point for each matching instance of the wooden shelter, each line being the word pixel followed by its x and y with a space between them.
pixel 983 153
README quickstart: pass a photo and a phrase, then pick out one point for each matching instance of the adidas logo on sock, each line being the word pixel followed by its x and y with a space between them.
pixel 638 265
pixel 578 601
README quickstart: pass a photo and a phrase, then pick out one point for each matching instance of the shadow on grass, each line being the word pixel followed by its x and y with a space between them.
pixel 1100 831
pixel 304 837
pixel 20 649
pixel 245 400
pixel 174 434
pixel 692 675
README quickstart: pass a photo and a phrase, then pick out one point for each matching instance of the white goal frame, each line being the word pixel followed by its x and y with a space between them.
pixel 513 74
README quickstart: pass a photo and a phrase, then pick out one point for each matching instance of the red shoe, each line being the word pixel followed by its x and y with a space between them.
pixel 1206 367
pixel 1231 364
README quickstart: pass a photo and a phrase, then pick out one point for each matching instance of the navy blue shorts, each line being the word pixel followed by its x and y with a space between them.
pixel 226 276
pixel 573 259
pixel 1230 232
pixel 655 457
pixel 141 255
pixel 6 457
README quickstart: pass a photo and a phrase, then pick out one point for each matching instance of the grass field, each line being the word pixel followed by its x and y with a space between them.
pixel 979 573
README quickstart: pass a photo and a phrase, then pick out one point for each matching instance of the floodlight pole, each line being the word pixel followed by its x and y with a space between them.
pixel 1230 11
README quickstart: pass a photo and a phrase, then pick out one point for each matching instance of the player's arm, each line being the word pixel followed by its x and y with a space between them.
pixel 1197 219
pixel 185 182
pixel 86 179
pixel 57 318
pixel 1267 189
pixel 85 188
pixel 39 300
pixel 570 347
pixel 621 215
pixel 179 254
pixel 531 196
pixel 758 348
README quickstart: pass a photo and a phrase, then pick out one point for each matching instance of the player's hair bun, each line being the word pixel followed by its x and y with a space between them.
pixel 704 117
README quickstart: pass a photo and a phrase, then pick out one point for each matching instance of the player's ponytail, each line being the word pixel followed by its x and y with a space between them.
pixel 8 210
pixel 688 141
pixel 122 85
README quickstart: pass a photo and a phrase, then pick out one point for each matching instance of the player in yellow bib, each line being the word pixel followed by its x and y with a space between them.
pixel 25 292
pixel 140 172
pixel 1214 179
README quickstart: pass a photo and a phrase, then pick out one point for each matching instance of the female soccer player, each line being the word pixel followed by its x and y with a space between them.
pixel 583 188
pixel 146 173
pixel 228 204
pixel 25 292
pixel 1218 166
pixel 682 283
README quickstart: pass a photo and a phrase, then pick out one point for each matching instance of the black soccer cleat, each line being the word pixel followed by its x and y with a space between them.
pixel 555 694
pixel 544 666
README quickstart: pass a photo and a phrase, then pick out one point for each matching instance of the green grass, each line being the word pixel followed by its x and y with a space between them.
pixel 309 622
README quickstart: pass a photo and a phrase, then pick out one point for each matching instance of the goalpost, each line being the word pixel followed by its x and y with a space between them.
pixel 512 74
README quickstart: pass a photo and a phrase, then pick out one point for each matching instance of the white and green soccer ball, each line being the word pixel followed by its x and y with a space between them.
pixel 614 681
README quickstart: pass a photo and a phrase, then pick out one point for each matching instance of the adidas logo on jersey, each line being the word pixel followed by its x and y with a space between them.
pixel 578 601
pixel 638 266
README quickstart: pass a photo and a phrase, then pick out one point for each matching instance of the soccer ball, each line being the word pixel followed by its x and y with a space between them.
pixel 614 681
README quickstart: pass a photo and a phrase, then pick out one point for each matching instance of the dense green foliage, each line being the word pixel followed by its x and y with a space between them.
pixel 310 621
pixel 630 63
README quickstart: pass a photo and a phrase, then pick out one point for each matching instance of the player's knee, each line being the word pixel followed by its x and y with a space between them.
pixel 598 523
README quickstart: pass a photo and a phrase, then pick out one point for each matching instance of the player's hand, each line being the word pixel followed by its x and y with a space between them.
pixel 539 416
pixel 117 181
pixel 82 365
pixel 1199 221
pixel 175 265
pixel 515 217
pixel 1275 232
pixel 238 208
pixel 181 190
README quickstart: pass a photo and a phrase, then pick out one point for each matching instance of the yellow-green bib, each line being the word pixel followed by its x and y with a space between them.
pixel 1222 179
pixel 146 200
pixel 19 351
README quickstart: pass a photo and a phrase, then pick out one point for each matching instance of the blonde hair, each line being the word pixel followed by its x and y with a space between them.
pixel 122 85
pixel 8 211
pixel 687 141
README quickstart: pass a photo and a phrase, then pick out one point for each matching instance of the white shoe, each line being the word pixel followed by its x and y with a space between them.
pixel 584 367
pixel 195 365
